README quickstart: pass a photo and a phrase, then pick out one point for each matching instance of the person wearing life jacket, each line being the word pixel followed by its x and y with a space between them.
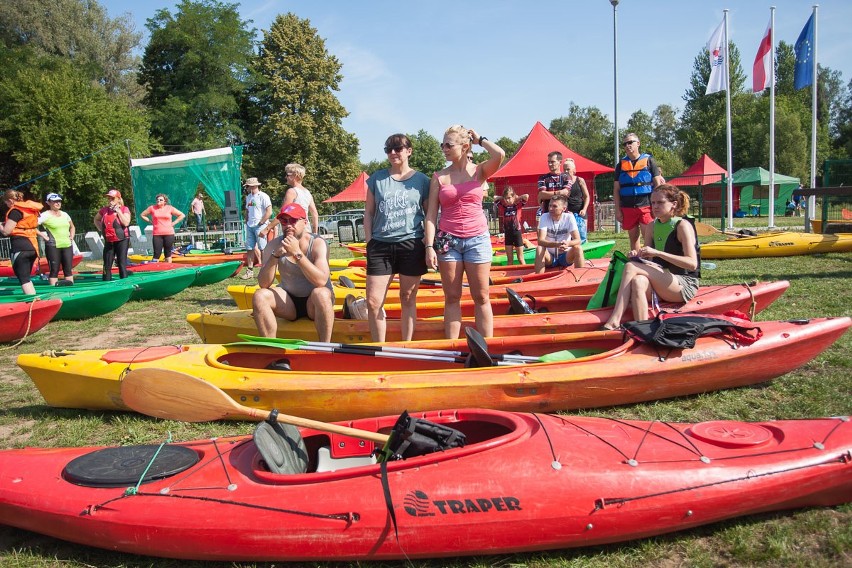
pixel 636 175
pixel 113 221
pixel 21 227
pixel 670 266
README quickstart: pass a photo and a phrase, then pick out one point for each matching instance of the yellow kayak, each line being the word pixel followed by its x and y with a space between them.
pixel 777 244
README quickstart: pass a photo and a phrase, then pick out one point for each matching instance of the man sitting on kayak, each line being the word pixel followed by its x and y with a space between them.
pixel 559 241
pixel 301 258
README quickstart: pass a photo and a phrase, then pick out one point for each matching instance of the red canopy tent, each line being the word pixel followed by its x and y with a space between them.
pixel 356 191
pixel 530 161
pixel 702 173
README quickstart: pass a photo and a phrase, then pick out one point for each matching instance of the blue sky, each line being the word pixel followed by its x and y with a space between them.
pixel 501 65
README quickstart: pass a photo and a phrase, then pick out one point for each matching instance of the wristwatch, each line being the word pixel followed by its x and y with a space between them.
pixel 297 257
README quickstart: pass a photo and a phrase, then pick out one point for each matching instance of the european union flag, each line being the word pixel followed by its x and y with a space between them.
pixel 803 75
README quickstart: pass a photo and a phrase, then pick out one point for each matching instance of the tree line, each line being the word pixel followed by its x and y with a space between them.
pixel 76 103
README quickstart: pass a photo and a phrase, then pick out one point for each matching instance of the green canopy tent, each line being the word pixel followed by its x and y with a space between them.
pixel 752 190
pixel 180 176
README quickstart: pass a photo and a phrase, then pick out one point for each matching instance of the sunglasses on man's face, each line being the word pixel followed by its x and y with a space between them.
pixel 629 142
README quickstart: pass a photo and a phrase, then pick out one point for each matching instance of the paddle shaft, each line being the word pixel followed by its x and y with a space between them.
pixel 360 349
pixel 164 393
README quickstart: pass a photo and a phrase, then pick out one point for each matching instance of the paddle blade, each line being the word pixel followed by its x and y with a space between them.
pixel 164 393
pixel 705 230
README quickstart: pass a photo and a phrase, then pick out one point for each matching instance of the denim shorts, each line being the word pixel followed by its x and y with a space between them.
pixel 252 237
pixel 476 250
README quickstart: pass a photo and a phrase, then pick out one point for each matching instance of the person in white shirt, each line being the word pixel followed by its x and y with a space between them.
pixel 559 241
pixel 258 212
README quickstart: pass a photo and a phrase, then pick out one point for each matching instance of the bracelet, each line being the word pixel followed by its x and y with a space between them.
pixel 481 140
pixel 275 255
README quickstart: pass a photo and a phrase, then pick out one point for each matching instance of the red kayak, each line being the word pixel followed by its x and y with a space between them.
pixel 20 319
pixel 522 482
pixel 41 267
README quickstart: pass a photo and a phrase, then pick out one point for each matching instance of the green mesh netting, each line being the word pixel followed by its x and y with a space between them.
pixel 180 176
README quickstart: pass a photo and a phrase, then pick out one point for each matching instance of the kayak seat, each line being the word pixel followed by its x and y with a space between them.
pixel 279 365
pixel 325 461
pixel 282 448
pixel 344 452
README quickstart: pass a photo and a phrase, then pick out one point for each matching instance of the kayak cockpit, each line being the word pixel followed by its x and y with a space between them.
pixel 329 456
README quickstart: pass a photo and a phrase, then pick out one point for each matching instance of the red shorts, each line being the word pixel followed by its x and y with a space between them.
pixel 633 216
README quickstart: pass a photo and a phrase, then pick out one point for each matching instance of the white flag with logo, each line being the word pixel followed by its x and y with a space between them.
pixel 717 49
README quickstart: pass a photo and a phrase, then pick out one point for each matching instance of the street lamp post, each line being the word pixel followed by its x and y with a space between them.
pixel 615 85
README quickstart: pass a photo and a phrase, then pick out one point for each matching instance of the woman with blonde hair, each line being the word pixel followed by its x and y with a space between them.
pixel 670 268
pixel 21 227
pixel 460 244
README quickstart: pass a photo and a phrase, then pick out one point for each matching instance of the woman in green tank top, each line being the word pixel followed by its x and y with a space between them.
pixel 669 269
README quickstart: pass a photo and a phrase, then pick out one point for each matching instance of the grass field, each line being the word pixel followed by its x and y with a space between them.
pixel 815 537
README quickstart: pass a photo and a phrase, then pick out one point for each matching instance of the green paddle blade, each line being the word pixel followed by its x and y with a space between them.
pixel 272 344
pixel 568 355
pixel 276 340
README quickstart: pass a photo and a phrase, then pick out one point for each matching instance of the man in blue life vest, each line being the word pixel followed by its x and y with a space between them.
pixel 636 176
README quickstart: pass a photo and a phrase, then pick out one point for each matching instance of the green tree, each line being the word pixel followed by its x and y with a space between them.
pixel 54 119
pixel 665 126
pixel 427 156
pixel 81 31
pixel 843 141
pixel 194 70
pixel 509 146
pixel 703 128
pixel 587 131
pixel 294 115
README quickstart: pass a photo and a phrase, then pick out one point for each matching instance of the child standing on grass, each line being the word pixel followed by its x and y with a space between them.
pixel 509 209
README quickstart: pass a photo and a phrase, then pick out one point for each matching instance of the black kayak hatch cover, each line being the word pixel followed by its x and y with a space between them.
pixel 125 465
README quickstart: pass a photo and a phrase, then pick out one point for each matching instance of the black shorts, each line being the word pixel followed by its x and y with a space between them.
pixel 407 258
pixel 514 237
pixel 301 305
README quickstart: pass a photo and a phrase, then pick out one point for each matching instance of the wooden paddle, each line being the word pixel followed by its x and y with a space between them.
pixel 705 230
pixel 164 393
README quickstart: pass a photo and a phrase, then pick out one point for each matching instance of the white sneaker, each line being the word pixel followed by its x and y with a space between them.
pixel 248 274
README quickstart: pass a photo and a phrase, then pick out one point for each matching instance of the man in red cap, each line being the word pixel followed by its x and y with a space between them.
pixel 301 258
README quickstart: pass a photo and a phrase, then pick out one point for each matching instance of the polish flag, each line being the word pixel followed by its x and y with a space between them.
pixel 762 61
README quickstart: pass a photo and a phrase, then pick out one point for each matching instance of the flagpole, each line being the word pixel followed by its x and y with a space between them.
pixel 771 223
pixel 729 221
pixel 812 198
pixel 615 88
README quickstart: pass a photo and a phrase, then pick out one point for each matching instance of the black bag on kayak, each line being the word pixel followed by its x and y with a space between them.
pixel 416 437
pixel 680 331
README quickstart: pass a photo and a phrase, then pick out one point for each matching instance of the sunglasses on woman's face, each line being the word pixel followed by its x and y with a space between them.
pixel 448 145
pixel 391 149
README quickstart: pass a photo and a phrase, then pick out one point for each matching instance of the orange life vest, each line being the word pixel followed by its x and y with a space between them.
pixel 28 225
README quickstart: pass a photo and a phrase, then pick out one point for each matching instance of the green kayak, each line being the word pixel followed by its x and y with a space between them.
pixel 81 302
pixel 146 285
pixel 213 273
pixel 591 250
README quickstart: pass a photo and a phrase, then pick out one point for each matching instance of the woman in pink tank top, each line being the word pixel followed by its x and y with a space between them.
pixel 460 243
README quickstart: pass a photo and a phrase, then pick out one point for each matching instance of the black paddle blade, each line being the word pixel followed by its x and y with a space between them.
pixel 346 282
pixel 417 437
pixel 478 348
pixel 518 305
